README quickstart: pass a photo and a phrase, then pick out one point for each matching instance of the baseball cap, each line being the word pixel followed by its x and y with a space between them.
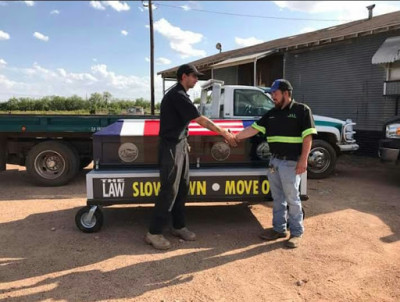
pixel 282 85
pixel 187 69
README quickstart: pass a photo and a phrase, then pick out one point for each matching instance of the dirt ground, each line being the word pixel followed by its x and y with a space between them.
pixel 350 250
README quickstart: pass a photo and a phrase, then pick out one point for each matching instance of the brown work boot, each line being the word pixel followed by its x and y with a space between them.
pixel 158 241
pixel 184 233
pixel 293 242
pixel 271 234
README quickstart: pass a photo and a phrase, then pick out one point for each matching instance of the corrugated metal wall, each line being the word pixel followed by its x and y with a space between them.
pixel 236 75
pixel 339 80
pixel 246 74
pixel 269 69
pixel 229 75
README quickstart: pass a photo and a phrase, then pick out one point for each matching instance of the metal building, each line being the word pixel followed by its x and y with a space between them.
pixel 331 70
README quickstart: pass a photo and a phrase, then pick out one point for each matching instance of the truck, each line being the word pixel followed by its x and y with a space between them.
pixel 250 103
pixel 389 144
pixel 53 148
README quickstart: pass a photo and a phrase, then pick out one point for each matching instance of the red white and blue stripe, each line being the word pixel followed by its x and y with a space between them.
pixel 139 127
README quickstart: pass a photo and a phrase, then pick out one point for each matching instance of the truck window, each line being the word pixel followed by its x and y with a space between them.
pixel 248 102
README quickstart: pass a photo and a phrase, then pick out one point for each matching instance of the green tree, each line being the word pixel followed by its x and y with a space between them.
pixel 12 104
pixel 95 101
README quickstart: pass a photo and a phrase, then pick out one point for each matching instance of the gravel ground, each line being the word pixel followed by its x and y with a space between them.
pixel 350 250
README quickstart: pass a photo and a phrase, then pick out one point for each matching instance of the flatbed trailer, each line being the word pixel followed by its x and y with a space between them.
pixel 52 147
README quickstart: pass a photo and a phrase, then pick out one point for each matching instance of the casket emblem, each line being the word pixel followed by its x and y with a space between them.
pixel 128 152
pixel 220 151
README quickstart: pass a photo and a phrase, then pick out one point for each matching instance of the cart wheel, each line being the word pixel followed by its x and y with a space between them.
pixel 89 219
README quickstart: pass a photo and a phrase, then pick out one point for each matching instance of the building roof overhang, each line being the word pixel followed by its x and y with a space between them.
pixel 388 52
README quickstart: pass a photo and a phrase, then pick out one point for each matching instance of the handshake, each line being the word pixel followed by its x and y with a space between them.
pixel 230 138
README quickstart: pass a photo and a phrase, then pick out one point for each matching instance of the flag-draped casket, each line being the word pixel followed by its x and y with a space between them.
pixel 134 143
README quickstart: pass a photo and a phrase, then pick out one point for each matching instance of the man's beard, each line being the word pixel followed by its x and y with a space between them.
pixel 280 104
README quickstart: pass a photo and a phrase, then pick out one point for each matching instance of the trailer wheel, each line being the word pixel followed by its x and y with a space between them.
pixel 89 219
pixel 321 160
pixel 52 163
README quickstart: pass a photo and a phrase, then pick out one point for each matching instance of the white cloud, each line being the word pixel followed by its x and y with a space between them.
pixel 146 6
pixel 119 6
pixel 307 30
pixel 55 12
pixel 141 9
pixel 243 42
pixel 6 85
pixel 97 5
pixel 185 7
pixel 94 60
pixel 38 81
pixel 40 36
pixel 124 32
pixel 2 63
pixel 180 40
pixel 159 61
pixel 163 61
pixel 4 35
pixel 30 3
pixel 344 10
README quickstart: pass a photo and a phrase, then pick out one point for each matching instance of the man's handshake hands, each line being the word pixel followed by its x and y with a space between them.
pixel 231 138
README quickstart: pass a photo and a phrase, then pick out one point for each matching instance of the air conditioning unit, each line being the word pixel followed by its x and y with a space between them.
pixel 391 88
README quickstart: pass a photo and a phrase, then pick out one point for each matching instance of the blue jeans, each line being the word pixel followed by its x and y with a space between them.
pixel 284 184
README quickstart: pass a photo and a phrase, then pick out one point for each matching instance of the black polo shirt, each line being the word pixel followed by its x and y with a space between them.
pixel 286 128
pixel 177 110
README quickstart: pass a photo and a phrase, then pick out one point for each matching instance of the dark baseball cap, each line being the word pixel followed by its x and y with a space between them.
pixel 282 85
pixel 187 69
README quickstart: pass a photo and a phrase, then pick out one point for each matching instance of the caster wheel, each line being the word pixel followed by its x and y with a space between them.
pixel 89 219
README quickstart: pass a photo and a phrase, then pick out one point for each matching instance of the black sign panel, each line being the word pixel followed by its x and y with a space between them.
pixel 114 190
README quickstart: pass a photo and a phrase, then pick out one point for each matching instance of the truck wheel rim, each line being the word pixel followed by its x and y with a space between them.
pixel 88 223
pixel 49 164
pixel 319 160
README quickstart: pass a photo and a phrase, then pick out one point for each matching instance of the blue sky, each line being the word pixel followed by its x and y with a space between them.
pixel 81 47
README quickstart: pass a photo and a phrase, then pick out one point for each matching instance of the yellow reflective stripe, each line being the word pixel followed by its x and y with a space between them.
pixel 259 128
pixel 285 139
pixel 308 132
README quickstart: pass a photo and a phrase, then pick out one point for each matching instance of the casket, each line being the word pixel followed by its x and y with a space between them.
pixel 134 143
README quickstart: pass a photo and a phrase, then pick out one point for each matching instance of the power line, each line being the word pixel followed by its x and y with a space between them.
pixel 253 16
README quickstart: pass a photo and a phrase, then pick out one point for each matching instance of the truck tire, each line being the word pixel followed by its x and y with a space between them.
pixel 52 163
pixel 322 160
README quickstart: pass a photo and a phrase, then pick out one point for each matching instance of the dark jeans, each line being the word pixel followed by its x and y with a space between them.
pixel 174 178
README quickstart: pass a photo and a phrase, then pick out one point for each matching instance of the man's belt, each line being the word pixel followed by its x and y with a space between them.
pixel 285 157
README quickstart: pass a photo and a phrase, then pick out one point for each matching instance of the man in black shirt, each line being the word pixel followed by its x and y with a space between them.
pixel 177 111
pixel 289 128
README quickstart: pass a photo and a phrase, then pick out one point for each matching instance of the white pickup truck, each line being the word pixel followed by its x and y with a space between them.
pixel 248 103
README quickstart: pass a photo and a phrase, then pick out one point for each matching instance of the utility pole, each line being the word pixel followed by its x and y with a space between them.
pixel 151 57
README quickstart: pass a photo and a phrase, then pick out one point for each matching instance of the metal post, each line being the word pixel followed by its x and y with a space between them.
pixel 151 57
pixel 255 73
pixel 284 67
pixel 3 153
